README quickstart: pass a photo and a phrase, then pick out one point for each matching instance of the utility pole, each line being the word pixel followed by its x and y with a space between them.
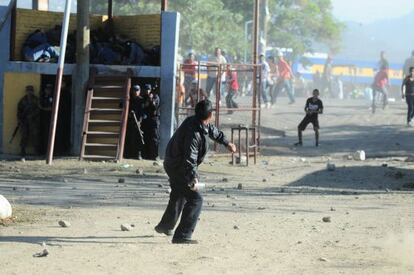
pixel 58 83
pixel 81 74
pixel 264 18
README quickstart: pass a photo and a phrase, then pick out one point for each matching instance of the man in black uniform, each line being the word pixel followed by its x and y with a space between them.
pixel 150 123
pixel 45 104
pixel 28 120
pixel 185 152
pixel 313 108
pixel 136 115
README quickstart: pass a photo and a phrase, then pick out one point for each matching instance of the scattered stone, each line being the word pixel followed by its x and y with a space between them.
pixel 240 186
pixel 302 159
pixel 347 213
pixel 159 171
pixel 330 167
pixel 85 171
pixel 225 180
pixel 23 160
pixel 121 180
pixel 234 204
pixel 293 213
pixel 14 188
pixel 44 253
pixel 323 259
pixel 132 225
pixel 156 163
pixel 326 219
pixel 333 209
pixel 387 190
pixel 264 180
pixel 5 208
pixel 384 165
pixel 126 227
pixel 168 190
pixel 299 242
pixel 63 223
pixel 236 227
pixel 261 208
pixel 139 171
pixel 160 185
pixel 359 155
pixel 27 189
pixel 221 189
pixel 228 196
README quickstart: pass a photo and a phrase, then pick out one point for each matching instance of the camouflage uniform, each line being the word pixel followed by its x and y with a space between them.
pixel 28 119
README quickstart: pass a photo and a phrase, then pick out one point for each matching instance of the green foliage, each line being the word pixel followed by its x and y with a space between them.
pixel 205 24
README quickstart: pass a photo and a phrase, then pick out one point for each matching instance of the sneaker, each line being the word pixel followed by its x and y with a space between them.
pixel 184 241
pixel 268 105
pixel 161 230
pixel 298 144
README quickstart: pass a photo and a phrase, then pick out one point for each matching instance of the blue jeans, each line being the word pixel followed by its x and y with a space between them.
pixel 264 91
pixel 287 85
pixel 211 83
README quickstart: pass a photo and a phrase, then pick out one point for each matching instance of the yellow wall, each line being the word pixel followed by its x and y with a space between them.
pixel 145 29
pixel 14 90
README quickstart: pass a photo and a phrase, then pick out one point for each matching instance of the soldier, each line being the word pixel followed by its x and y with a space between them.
pixel 28 120
pixel 136 115
pixel 150 123
pixel 45 105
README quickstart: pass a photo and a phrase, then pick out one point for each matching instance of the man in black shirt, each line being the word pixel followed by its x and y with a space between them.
pixel 185 152
pixel 313 108
pixel 407 90
pixel 135 137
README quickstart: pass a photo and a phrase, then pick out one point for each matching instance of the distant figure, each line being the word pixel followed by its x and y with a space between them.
pixel 212 71
pixel 189 68
pixel 150 123
pixel 313 108
pixel 407 90
pixel 232 89
pixel 383 62
pixel 28 120
pixel 45 105
pixel 135 135
pixel 380 86
pixel 409 62
pixel 264 76
pixel 185 152
pixel 327 77
pixel 273 76
pixel 284 82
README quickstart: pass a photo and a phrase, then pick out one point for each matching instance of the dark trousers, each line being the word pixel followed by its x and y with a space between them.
pixel 186 202
pixel 150 128
pixel 230 103
pixel 211 82
pixel 410 103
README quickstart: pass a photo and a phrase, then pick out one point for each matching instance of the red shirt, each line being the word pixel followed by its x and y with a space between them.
pixel 381 79
pixel 232 80
pixel 284 69
pixel 189 67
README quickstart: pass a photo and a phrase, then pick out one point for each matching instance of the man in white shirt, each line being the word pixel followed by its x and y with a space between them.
pixel 212 71
pixel 264 76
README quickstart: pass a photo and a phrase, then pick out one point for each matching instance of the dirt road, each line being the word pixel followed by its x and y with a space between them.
pixel 273 225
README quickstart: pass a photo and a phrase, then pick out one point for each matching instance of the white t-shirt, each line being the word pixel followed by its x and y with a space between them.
pixel 409 62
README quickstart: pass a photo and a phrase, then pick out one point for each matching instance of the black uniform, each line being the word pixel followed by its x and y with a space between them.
pixel 185 152
pixel 134 138
pixel 312 108
pixel 45 102
pixel 150 126
pixel 28 119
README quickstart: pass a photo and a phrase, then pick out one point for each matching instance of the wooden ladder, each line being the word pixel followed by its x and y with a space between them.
pixel 106 117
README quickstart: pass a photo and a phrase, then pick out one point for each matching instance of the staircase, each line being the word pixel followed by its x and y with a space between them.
pixel 106 117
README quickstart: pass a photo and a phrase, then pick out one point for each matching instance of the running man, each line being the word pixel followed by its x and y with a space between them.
pixel 313 108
